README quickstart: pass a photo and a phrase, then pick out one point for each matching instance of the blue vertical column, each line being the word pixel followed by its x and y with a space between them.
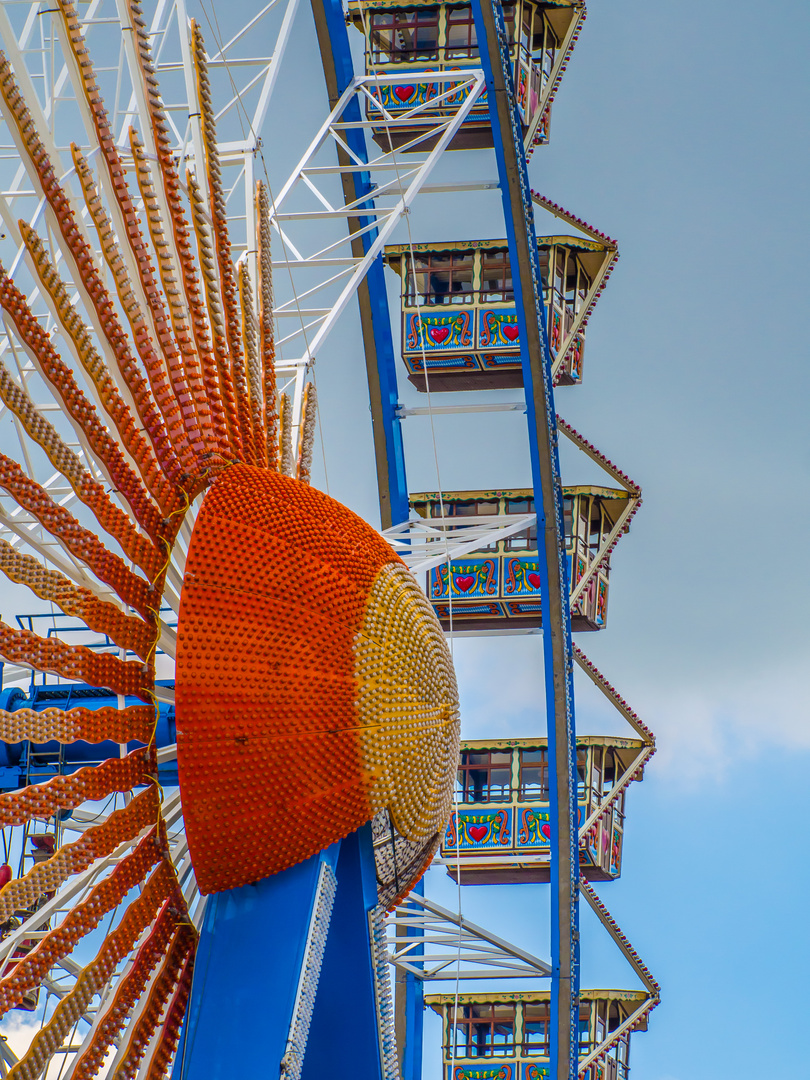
pixel 252 951
pixel 283 979
pixel 344 1037
pixel 414 1010
pixel 542 429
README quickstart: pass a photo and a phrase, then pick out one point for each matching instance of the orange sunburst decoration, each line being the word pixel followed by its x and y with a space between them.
pixel 303 640
pixel 304 648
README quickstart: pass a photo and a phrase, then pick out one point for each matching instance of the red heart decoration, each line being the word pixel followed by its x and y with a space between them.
pixel 439 333
pixel 465 582
pixel 478 832
pixel 404 92
pixel 510 331
pixel 534 580
pixel 546 831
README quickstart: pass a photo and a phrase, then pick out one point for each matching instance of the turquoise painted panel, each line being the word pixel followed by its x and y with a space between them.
pixel 471 578
pixel 448 329
pixel 499 360
pixel 591 849
pixel 554 332
pixel 615 852
pixel 534 828
pixel 521 577
pixel 439 362
pixel 601 601
pixel 490 1070
pixel 536 1071
pixel 575 356
pixel 475 830
pixel 524 607
pixel 498 329
pixel 403 97
pixel 466 609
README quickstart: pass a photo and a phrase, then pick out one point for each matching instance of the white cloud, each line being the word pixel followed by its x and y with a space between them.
pixel 501 681
pixel 707 727
pixel 703 724
pixel 18 1029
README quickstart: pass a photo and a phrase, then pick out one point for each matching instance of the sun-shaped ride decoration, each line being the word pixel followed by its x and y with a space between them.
pixel 302 640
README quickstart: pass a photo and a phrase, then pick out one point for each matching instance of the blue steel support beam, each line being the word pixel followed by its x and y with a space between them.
pixel 298 948
pixel 558 656
pixel 344 1037
pixel 411 1010
pixel 333 40
pixel 252 950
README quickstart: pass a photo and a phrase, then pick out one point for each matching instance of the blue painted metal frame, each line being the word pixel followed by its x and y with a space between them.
pixel 563 1064
pixel 66 758
pixel 394 481
pixel 344 1037
pixel 252 949
pixel 414 1012
pixel 252 945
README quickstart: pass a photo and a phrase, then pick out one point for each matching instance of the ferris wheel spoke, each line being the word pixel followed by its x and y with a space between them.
pixel 167 642
pixel 122 862
pixel 27 531
pixel 33 404
pixel 97 842
pixel 170 985
pixel 371 219
pixel 423 546
pixel 122 993
pixel 92 978
pixel 433 943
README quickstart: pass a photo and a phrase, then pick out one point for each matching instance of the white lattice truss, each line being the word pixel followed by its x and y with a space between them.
pixel 434 944
pixel 320 263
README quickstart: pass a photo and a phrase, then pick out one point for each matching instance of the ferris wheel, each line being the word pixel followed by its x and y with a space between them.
pixel 201 610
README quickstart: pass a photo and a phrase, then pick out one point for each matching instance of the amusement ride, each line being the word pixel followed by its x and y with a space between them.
pixel 229 717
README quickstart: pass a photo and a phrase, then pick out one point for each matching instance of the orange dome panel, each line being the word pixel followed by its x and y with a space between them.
pixel 313 683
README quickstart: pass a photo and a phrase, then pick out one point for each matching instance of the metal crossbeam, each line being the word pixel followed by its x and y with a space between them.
pixel 450 410
pixel 434 944
pixel 319 223
pixel 641 970
pixel 423 545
